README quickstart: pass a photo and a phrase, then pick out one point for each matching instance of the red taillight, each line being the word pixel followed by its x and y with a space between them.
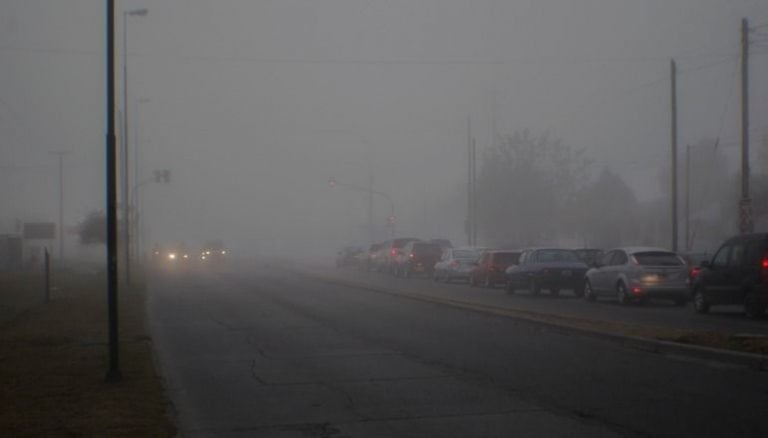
pixel 393 252
pixel 637 291
pixel 764 265
pixel 695 271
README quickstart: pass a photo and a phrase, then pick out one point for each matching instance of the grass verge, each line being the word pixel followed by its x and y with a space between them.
pixel 53 362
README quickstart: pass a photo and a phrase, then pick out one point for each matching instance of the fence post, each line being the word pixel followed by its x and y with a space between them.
pixel 47 274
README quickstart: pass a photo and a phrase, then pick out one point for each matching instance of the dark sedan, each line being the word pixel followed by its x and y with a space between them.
pixel 547 268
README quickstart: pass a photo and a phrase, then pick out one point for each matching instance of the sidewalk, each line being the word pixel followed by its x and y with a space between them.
pixel 53 365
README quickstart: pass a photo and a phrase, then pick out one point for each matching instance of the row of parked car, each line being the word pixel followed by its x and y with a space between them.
pixel 737 273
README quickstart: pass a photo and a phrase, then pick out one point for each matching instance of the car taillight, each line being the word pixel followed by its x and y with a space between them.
pixel 393 252
pixel 764 270
pixel 695 271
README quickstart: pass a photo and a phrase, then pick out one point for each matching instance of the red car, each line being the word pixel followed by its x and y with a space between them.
pixel 491 266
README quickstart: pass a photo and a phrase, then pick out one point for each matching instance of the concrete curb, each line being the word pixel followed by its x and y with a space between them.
pixel 713 356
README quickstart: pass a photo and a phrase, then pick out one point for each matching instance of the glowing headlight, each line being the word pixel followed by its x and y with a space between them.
pixel 186 256
pixel 223 252
pixel 172 256
pixel 202 257
pixel 207 253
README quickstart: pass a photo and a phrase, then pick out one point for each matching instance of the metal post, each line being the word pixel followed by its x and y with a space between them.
pixel 113 373
pixel 745 206
pixel 673 195
pixel 47 274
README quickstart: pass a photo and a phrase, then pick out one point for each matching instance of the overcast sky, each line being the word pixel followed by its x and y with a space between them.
pixel 253 105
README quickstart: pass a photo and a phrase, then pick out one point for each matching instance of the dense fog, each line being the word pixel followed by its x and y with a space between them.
pixel 254 106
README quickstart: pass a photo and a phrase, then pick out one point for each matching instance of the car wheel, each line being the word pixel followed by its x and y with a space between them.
pixel 510 287
pixel 534 287
pixel 621 294
pixel 588 293
pixel 700 304
pixel 752 309
pixel 578 291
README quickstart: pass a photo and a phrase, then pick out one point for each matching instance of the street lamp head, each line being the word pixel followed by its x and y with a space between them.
pixel 138 12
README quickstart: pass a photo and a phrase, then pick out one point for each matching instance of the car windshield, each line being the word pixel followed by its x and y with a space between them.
pixel 556 255
pixel 506 257
pixel 466 254
pixel 399 243
pixel 426 249
pixel 658 258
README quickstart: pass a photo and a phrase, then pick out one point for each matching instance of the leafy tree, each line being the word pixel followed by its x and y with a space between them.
pixel 93 229
pixel 528 189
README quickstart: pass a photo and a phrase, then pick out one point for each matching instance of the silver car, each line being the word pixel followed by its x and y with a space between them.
pixel 456 264
pixel 638 274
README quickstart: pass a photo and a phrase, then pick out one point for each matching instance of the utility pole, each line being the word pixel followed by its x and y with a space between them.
pixel 673 72
pixel 468 222
pixel 474 192
pixel 61 204
pixel 371 226
pixel 687 207
pixel 124 158
pixel 745 204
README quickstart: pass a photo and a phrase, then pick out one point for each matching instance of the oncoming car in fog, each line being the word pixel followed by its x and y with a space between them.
pixel 171 254
pixel 214 252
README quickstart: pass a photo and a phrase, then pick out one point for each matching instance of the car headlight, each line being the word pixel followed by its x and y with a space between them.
pixel 172 256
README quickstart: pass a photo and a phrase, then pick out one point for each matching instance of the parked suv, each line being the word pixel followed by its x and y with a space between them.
pixel 737 274
pixel 417 258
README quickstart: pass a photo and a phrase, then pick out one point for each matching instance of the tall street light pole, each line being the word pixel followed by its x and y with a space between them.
pixel 113 373
pixel 126 195
pixel 61 204
pixel 673 135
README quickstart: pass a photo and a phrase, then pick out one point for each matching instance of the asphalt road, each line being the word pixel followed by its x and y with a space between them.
pixel 260 352
pixel 657 313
